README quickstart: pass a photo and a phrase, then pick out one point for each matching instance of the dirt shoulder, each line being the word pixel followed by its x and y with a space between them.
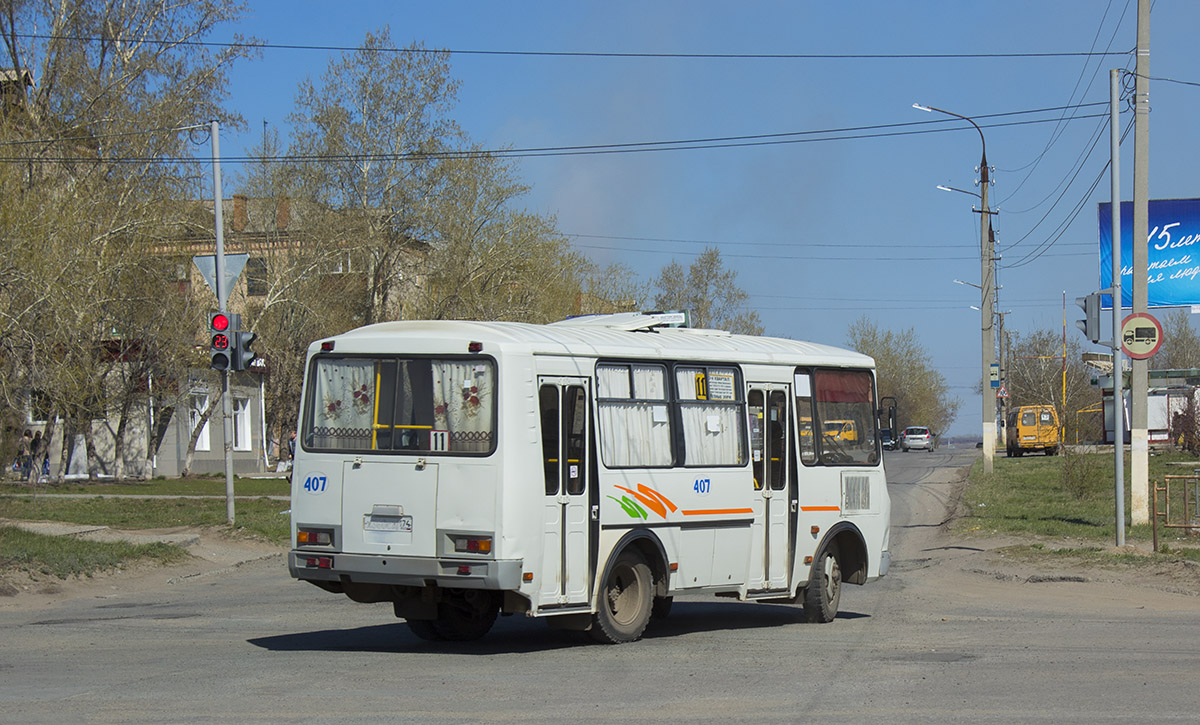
pixel 1037 560
pixel 211 553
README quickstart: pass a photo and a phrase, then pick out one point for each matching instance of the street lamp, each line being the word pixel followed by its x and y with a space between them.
pixel 986 283
pixel 943 187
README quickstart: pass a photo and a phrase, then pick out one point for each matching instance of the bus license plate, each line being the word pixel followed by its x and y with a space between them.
pixel 387 523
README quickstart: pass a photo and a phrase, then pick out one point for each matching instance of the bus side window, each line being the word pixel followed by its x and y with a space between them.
pixel 804 418
pixel 575 402
pixel 548 397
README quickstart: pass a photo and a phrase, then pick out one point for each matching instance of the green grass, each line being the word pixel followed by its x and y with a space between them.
pixel 258 517
pixel 1069 497
pixel 192 486
pixel 65 557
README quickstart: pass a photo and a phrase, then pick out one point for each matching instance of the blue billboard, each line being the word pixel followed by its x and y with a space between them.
pixel 1173 253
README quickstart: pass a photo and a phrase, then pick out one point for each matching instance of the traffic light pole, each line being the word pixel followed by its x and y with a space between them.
pixel 222 294
pixel 1118 302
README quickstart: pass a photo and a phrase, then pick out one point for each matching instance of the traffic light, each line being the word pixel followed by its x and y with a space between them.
pixel 1091 313
pixel 219 327
pixel 242 354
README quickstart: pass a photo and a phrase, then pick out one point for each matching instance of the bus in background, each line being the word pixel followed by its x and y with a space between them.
pixel 1032 428
pixel 583 472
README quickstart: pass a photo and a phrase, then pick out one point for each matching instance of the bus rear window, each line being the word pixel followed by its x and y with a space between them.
pixel 417 405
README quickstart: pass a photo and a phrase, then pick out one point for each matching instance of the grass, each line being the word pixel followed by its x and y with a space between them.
pixel 1070 498
pixel 192 486
pixel 260 518
pixel 66 557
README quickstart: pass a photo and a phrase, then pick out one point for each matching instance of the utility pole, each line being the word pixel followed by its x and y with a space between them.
pixel 222 293
pixel 1139 437
pixel 987 287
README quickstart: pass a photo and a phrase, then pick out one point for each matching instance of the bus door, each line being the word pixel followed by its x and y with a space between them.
pixel 775 491
pixel 566 521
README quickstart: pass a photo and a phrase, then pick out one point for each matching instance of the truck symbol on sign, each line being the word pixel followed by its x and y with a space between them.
pixel 1145 335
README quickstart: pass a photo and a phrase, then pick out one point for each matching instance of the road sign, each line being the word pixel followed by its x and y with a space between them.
pixel 1002 393
pixel 1141 335
pixel 994 375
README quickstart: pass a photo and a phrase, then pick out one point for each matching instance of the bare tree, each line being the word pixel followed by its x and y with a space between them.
pixel 710 292
pixel 905 372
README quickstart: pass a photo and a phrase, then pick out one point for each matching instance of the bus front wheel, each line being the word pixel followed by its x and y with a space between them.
pixel 824 589
pixel 626 600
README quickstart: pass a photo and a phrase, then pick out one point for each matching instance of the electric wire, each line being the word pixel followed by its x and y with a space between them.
pixel 1062 228
pixel 1060 129
pixel 572 53
pixel 814 136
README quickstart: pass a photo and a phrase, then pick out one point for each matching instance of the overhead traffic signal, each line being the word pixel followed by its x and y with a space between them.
pixel 242 354
pixel 220 327
pixel 1090 324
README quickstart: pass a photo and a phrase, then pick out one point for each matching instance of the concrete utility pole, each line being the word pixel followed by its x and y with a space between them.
pixel 1139 437
pixel 987 291
pixel 222 293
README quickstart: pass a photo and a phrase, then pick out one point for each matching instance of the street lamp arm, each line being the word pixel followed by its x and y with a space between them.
pixel 983 164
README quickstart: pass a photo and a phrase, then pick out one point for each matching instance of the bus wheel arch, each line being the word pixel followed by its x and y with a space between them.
pixel 631 589
pixel 841 559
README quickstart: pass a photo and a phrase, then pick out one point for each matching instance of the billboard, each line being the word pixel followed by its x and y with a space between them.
pixel 1173 253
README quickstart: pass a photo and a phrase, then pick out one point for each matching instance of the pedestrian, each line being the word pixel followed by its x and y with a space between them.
pixel 35 450
pixel 291 448
pixel 26 454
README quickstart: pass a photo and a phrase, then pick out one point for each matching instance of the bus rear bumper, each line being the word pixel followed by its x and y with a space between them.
pixel 500 575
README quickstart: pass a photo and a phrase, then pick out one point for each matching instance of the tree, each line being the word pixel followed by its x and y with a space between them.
pixel 709 292
pixel 378 126
pixel 1035 377
pixel 903 371
pixel 95 196
pixel 1181 345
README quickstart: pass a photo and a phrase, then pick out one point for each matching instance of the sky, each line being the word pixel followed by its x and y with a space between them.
pixel 820 232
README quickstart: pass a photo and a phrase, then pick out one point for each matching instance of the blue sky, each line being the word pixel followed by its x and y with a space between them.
pixel 820 233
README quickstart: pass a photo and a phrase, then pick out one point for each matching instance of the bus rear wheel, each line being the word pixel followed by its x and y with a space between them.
pixel 626 600
pixel 824 590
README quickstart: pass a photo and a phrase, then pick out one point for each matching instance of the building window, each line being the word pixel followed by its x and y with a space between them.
pixel 241 424
pixel 195 411
pixel 256 277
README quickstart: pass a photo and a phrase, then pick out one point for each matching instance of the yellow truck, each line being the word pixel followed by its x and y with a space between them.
pixel 1032 428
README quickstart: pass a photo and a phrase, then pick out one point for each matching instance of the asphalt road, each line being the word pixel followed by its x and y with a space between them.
pixel 944 638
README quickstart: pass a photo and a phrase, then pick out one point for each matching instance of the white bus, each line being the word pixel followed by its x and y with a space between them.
pixel 585 472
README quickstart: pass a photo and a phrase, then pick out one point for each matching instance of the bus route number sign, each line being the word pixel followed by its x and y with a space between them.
pixel 315 483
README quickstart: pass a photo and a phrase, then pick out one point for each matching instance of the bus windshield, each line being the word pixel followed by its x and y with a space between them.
pixel 409 405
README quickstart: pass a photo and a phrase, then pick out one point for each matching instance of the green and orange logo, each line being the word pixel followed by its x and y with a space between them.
pixel 643 498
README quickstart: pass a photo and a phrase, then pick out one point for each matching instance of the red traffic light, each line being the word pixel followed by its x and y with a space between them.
pixel 220 323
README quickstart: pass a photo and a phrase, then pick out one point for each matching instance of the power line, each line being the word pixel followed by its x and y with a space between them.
pixel 795 137
pixel 1042 248
pixel 578 53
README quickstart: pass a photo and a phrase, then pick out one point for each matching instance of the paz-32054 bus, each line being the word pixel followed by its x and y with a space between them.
pixel 585 472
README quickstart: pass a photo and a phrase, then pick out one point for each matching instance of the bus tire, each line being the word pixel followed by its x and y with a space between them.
pixel 423 629
pixel 626 600
pixel 824 590
pixel 466 615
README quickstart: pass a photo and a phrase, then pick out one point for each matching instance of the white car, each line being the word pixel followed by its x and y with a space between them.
pixel 916 436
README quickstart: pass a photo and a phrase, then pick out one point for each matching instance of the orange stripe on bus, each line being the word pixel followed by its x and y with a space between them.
pixel 708 512
pixel 820 508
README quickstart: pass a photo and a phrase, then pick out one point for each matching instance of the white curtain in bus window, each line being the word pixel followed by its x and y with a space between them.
pixel 463 405
pixel 712 417
pixel 846 409
pixel 635 429
pixel 343 403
